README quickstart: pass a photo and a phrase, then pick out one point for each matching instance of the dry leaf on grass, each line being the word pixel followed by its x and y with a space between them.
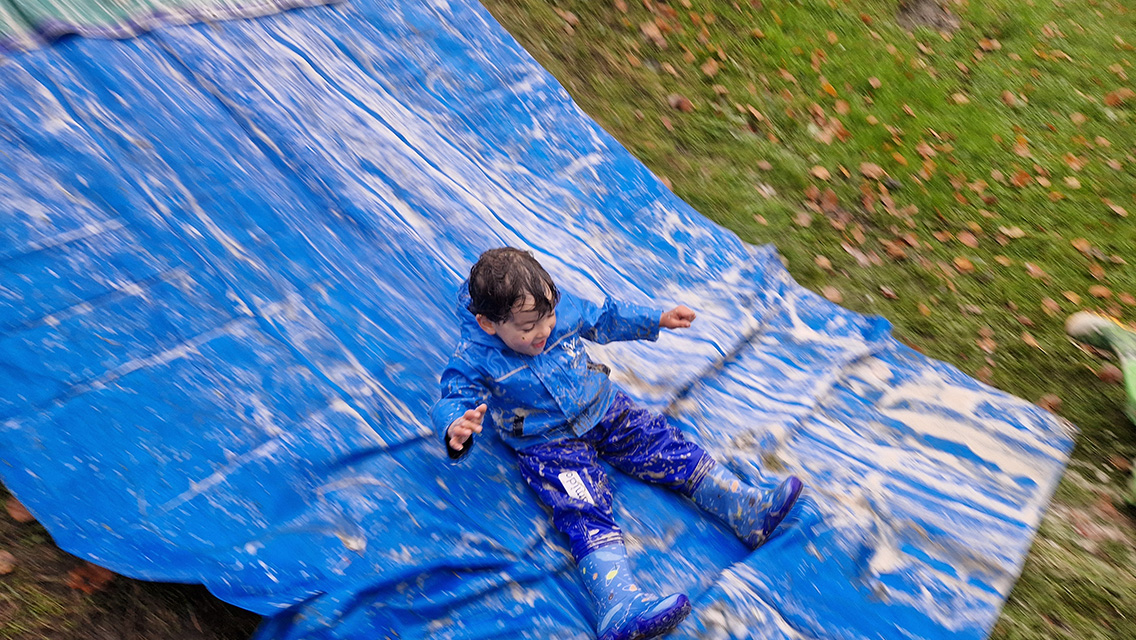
pixel 1049 402
pixel 18 511
pixel 1100 291
pixel 1111 374
pixel 872 171
pixel 1120 463
pixel 680 102
pixel 1028 338
pixel 820 172
pixel 89 578
pixel 7 563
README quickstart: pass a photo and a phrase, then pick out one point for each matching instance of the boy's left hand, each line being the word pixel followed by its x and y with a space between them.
pixel 678 318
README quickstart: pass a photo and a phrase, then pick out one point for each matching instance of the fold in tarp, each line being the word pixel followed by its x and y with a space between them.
pixel 227 261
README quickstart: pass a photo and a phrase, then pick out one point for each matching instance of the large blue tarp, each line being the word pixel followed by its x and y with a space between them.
pixel 227 261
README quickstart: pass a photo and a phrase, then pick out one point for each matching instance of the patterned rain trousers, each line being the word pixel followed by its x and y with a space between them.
pixel 567 476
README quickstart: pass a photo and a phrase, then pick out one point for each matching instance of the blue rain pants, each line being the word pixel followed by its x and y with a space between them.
pixel 567 476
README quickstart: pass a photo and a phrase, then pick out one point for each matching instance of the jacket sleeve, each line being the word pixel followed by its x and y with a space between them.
pixel 617 320
pixel 461 391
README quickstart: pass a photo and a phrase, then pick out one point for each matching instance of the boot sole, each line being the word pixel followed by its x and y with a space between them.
pixel 656 626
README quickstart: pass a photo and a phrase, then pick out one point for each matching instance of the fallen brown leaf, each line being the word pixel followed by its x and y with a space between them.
pixel 1049 402
pixel 1119 97
pixel 1122 464
pixel 680 102
pixel 872 171
pixel 764 165
pixel 875 82
pixel 89 578
pixel 888 293
pixel 1100 291
pixel 894 250
pixel 17 511
pixel 1028 338
pixel 963 265
pixel 1036 272
pixel 832 294
pixel 1071 297
pixel 1021 147
pixel 1110 373
pixel 710 68
pixel 1050 306
pixel 568 16
pixel 820 172
pixel 985 374
pixel 968 239
pixel 7 563
pixel 1021 178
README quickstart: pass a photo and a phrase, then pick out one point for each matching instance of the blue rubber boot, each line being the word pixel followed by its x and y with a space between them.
pixel 752 514
pixel 624 611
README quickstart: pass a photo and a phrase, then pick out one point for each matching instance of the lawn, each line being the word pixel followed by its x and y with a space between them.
pixel 968 174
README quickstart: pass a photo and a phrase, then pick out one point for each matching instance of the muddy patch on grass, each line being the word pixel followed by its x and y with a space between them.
pixel 926 13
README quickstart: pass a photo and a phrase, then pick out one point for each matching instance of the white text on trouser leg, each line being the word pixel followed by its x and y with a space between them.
pixel 575 487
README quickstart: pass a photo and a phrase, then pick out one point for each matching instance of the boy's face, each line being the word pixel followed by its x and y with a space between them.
pixel 525 331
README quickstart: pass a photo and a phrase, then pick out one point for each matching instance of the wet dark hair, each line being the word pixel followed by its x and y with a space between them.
pixel 502 278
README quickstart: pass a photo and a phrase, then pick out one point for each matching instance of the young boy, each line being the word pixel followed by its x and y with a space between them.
pixel 521 362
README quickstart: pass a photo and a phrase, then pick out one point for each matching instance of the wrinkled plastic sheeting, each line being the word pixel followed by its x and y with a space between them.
pixel 229 255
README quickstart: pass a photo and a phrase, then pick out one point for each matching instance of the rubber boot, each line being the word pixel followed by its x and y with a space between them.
pixel 624 611
pixel 751 513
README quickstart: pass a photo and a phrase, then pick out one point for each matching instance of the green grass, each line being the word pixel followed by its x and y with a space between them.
pixel 1058 61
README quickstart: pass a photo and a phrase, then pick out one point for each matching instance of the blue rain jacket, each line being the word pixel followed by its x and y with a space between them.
pixel 534 399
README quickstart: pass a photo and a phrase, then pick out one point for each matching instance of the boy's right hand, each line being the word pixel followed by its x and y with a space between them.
pixel 468 424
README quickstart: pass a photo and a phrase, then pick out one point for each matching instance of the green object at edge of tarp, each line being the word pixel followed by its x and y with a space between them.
pixel 27 24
